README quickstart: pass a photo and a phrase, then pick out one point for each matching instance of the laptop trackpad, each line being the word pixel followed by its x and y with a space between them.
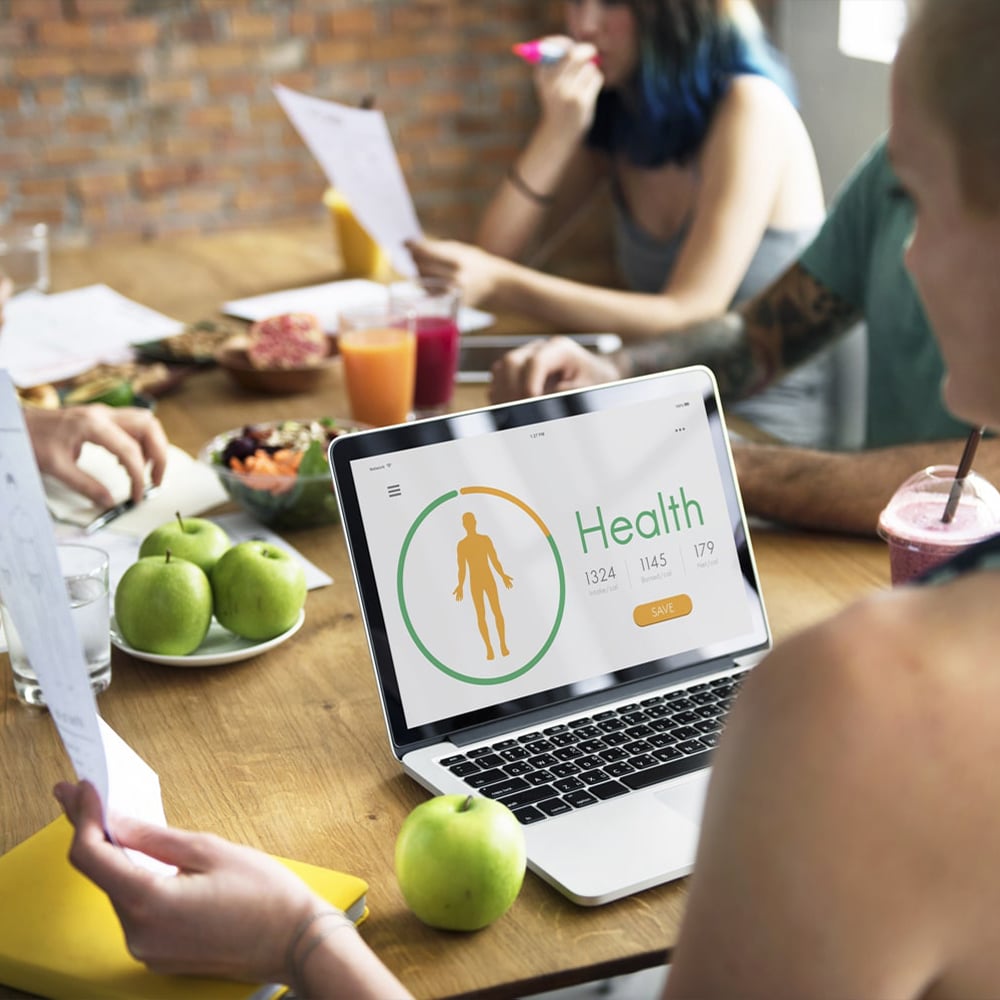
pixel 686 797
pixel 622 846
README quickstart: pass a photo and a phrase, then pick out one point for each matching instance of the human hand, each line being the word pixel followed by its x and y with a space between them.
pixel 548 365
pixel 231 912
pixel 474 270
pixel 567 90
pixel 133 435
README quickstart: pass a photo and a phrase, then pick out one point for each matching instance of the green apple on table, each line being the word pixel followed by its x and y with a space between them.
pixel 195 539
pixel 258 590
pixel 460 861
pixel 164 605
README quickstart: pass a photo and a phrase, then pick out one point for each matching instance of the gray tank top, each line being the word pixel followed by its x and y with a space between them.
pixel 799 408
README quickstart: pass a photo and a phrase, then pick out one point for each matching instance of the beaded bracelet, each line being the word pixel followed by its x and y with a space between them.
pixel 529 192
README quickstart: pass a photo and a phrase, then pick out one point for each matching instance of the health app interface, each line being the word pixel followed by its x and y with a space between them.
pixel 520 561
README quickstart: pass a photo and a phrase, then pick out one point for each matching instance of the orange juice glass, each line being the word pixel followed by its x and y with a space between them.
pixel 379 350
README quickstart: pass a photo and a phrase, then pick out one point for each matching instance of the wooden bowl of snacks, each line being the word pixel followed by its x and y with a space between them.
pixel 282 355
pixel 277 471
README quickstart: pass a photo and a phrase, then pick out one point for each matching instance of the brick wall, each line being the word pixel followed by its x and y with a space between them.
pixel 125 118
pixel 142 118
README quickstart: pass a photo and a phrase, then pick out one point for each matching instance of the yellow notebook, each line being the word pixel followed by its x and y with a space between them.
pixel 60 937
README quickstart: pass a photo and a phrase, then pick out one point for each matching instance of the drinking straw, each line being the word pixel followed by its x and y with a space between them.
pixel 975 435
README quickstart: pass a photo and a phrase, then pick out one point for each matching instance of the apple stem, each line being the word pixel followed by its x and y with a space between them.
pixel 166 556
pixel 180 520
pixel 465 805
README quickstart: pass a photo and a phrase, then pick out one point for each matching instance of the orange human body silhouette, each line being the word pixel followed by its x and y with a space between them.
pixel 477 555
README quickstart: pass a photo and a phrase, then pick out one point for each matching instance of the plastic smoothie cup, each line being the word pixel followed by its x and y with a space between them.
pixel 379 351
pixel 912 520
pixel 434 303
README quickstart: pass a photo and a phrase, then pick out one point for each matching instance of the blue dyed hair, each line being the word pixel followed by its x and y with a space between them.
pixel 689 52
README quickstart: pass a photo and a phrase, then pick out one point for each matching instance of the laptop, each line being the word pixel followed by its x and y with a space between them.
pixel 561 600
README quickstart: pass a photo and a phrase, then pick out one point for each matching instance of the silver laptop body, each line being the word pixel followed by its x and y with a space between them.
pixel 573 564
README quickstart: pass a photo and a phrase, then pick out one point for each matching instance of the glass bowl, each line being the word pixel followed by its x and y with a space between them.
pixel 255 463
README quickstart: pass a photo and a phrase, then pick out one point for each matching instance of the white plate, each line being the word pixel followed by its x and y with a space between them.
pixel 220 646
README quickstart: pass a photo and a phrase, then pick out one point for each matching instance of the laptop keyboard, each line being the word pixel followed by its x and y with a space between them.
pixel 556 769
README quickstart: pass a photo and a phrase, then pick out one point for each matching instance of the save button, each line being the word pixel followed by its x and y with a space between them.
pixel 662 610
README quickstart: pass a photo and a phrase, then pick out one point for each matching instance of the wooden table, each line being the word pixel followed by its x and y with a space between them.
pixel 288 751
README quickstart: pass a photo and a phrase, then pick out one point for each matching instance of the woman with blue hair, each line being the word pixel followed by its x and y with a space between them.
pixel 684 109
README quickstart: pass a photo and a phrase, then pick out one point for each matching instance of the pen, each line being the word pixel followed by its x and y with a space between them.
pixel 113 513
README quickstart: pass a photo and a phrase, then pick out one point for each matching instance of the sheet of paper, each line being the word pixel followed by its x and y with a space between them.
pixel 133 790
pixel 32 585
pixel 31 582
pixel 51 337
pixel 188 486
pixel 327 300
pixel 355 151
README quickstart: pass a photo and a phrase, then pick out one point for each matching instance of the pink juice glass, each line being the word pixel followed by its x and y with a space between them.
pixel 911 522
pixel 434 304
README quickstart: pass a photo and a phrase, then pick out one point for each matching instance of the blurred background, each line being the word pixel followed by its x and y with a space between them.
pixel 125 119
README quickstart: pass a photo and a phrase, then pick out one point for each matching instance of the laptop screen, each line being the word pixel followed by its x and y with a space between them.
pixel 517 556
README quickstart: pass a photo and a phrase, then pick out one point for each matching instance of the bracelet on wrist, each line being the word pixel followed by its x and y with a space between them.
pixel 521 185
pixel 300 947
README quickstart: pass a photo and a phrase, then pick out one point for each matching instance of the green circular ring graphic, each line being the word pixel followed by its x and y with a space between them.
pixel 421 517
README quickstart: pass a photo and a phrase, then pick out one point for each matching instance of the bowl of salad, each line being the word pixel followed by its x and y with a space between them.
pixel 278 471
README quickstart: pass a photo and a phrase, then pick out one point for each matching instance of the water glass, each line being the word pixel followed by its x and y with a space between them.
pixel 434 303
pixel 85 572
pixel 24 255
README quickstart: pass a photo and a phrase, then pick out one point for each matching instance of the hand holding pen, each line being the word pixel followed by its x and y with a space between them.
pixel 567 79
pixel 115 512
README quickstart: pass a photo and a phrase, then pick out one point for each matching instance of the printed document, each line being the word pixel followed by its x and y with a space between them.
pixel 355 151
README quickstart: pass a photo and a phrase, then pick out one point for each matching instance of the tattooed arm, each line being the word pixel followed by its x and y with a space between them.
pixel 839 491
pixel 779 328
pixel 775 331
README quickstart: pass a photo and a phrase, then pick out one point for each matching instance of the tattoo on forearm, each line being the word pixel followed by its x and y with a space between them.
pixel 719 343
pixel 795 319
pixel 779 329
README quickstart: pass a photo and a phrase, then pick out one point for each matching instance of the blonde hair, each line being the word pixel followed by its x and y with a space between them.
pixel 955 46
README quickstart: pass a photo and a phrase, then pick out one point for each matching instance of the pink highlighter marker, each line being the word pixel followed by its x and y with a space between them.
pixel 541 50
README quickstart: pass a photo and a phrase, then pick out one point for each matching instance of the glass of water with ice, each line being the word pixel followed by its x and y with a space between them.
pixel 24 255
pixel 85 572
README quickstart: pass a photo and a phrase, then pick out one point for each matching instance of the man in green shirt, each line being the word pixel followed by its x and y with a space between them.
pixel 852 271
pixel 858 256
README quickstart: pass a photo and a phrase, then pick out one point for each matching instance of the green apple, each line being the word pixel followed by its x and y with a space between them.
pixel 259 590
pixel 460 861
pixel 164 605
pixel 193 538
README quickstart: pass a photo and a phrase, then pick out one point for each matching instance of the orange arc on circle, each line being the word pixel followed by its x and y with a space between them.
pixel 512 499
